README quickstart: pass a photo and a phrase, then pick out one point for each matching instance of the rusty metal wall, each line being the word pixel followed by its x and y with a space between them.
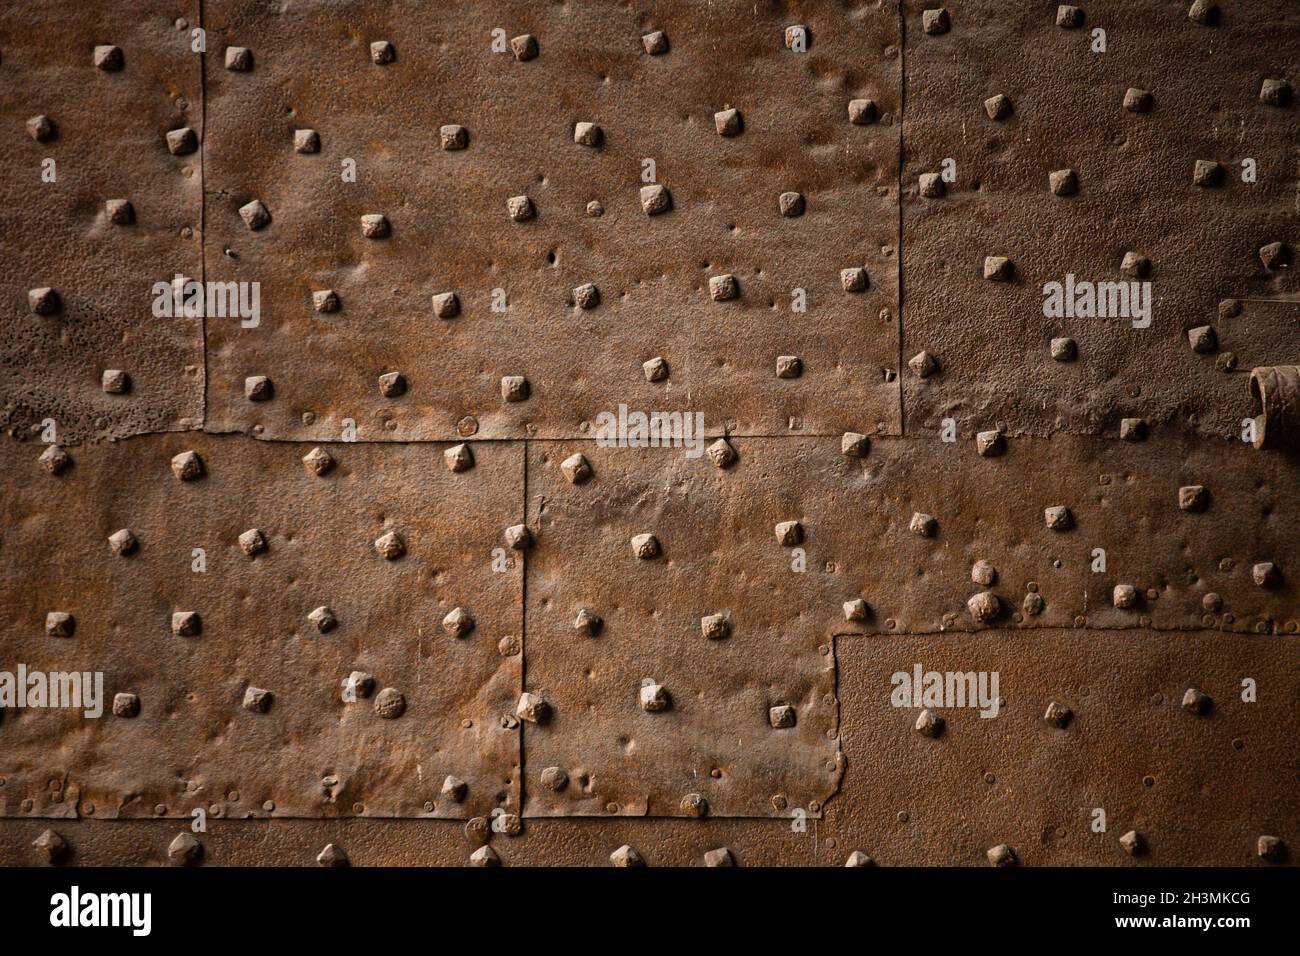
pixel 365 583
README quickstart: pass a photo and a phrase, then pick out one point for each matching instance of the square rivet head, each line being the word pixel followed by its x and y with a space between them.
pixel 187 466
pixel 855 444
pixel 182 142
pixel 458 458
pixel 1193 498
pixel 1058 518
pixel 998 106
pixel 258 388
pixel 44 301
pixel 114 381
pixel 781 717
pixel 392 384
pixel 645 546
pixel 306 141
pixel 186 623
pixel 998 269
pixel 723 288
pixel 656 43
pixel 587 134
pixel 1204 12
pixel 856 610
pixel 514 388
pixel 1275 92
pixel 862 112
pixel 1202 339
pixel 930 185
pixel 524 47
pixel 854 279
pixel 790 204
pixel 586 296
pixel 520 208
pixel 374 226
pixel 1137 101
pixel 1135 265
pixel 453 137
pixel 655 369
pixel 789 533
pixel 655 199
pixel 1063 182
pixel 382 53
pixel 446 305
pixel 60 624
pixel 728 122
pixel 797 38
pixel 255 215
pixel 108 58
pixel 1132 429
pixel 788 366
pixel 935 22
pixel 55 460
pixel 41 128
pixel 1064 349
pixel 923 525
pixel 120 212
pixel 923 364
pixel 1207 173
pixel 576 469
pixel 325 300
pixel 721 454
pixel 1068 17
pixel 239 59
pixel 1275 255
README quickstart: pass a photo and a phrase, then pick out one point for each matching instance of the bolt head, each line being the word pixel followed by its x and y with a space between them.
pixel 1134 843
pixel 723 288
pixel 931 185
pixel 656 199
pixel 857 610
pixel 518 537
pixel 625 857
pixel 123 543
pixel 60 624
pixel 854 279
pixel 998 269
pixel 654 698
pixel 655 369
pixel 306 141
pixel 1193 498
pixel 935 22
pixel 1063 182
pixel 1064 349
pixel 108 58
pixel 323 619
pixel 257 700
pixel 1202 339
pixel 114 381
pixel 791 204
pixel 41 128
pixel 185 850
pixel 258 388
pixel 382 53
pixel 120 212
pixel 587 622
pixel 126 705
pixel 1265 574
pixel 252 542
pixel 182 142
pixel 990 444
pixel 1273 92
pixel 923 364
pixel 788 366
pixel 52 846
pixel 721 454
pixel 586 296
pixel 1058 715
pixel 855 445
pixel 923 525
pixel 984 607
pixel 325 300
pixel 1058 518
pixel 392 384
pixel 332 855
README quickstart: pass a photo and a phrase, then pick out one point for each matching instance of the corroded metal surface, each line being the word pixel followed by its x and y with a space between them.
pixel 681 618
pixel 195 742
pixel 827 229
pixel 1135 193
pixel 450 230
pixel 106 141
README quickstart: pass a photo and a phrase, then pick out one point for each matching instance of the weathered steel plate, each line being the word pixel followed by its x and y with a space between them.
pixel 716 556
pixel 450 231
pixel 193 743
pixel 108 142
pixel 1135 193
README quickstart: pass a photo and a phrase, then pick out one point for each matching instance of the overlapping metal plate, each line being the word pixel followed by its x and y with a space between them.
pixel 104 139
pixel 774 218
pixel 450 230
pixel 312 751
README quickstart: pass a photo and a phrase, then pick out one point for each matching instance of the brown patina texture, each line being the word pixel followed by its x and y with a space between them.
pixel 108 142
pixel 406 604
